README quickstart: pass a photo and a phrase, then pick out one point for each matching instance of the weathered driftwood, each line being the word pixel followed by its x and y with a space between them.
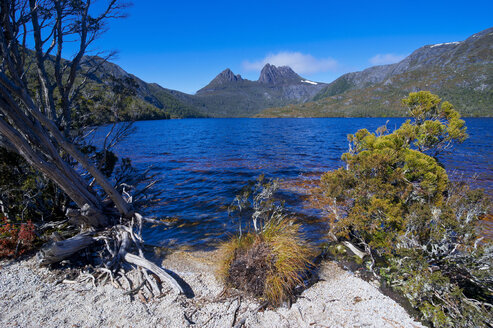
pixel 142 262
pixel 51 225
pixel 55 236
pixel 146 264
pixel 355 250
pixel 126 238
pixel 5 143
pixel 57 251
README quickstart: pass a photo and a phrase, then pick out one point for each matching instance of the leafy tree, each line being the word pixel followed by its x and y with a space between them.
pixel 416 226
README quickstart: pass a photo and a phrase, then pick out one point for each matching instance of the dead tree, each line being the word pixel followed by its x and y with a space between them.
pixel 35 118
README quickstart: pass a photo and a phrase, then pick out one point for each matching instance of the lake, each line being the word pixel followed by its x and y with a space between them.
pixel 203 163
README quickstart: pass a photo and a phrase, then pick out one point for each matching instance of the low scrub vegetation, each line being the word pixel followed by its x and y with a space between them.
pixel 271 258
pixel 15 239
pixel 418 229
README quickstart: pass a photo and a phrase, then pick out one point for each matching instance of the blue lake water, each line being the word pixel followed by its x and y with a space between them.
pixel 203 163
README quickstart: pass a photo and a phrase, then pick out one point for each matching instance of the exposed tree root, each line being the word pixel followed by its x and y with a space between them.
pixel 57 251
pixel 116 244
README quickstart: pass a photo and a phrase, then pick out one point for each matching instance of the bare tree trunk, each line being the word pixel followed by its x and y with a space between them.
pixel 36 136
pixel 33 129
pixel 77 192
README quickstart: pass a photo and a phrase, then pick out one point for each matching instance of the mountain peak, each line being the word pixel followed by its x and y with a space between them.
pixel 271 74
pixel 223 79
pixel 227 76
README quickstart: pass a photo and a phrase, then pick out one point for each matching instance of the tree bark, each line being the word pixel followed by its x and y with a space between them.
pixel 57 251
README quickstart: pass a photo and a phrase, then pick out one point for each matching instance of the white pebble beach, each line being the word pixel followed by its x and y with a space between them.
pixel 30 297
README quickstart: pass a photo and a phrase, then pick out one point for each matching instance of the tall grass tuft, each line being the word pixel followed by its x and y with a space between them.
pixel 270 260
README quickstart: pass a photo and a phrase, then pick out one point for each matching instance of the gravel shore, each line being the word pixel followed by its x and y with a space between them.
pixel 30 297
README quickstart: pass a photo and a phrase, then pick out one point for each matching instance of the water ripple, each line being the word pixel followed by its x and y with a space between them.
pixel 203 163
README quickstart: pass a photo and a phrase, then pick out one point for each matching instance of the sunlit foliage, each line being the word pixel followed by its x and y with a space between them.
pixel 395 200
pixel 269 260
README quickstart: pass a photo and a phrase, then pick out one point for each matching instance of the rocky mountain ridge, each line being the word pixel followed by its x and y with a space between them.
pixel 229 95
pixel 461 72
pixel 223 78
pixel 271 74
pixel 451 55
pixel 146 100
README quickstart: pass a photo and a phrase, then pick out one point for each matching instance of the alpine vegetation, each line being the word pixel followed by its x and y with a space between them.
pixel 270 259
pixel 418 229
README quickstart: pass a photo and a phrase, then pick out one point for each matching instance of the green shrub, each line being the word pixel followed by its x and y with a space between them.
pixel 394 199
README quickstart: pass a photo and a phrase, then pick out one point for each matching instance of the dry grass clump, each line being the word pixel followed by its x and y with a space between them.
pixel 267 264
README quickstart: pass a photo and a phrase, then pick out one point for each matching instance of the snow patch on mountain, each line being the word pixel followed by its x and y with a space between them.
pixel 309 82
pixel 443 44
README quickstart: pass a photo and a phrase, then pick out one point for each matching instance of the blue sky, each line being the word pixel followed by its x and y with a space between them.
pixel 182 45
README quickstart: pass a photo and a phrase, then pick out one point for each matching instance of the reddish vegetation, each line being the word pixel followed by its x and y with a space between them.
pixel 486 226
pixel 15 239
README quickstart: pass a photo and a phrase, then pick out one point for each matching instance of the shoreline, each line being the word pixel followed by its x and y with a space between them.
pixel 31 297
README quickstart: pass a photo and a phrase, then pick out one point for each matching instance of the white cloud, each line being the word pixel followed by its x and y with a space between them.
pixel 384 59
pixel 300 63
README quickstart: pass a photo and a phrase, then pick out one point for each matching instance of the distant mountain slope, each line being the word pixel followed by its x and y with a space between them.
pixel 460 72
pixel 229 95
pixel 143 100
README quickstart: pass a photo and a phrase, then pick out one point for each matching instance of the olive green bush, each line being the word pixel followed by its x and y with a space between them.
pixel 420 230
